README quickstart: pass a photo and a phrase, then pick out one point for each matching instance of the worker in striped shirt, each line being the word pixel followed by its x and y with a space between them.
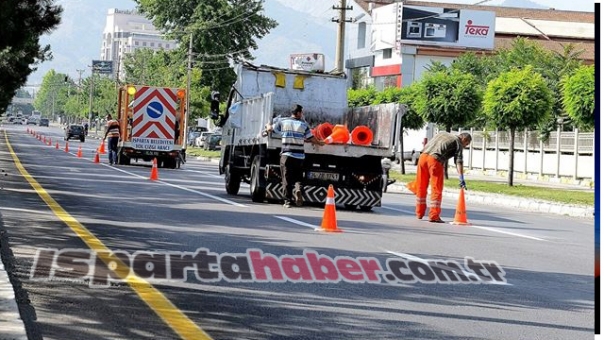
pixel 294 133
pixel 113 132
pixel 430 171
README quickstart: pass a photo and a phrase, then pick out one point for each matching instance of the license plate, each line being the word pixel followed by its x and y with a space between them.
pixel 324 176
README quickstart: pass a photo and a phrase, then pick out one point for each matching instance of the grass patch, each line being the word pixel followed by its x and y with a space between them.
pixel 199 152
pixel 536 192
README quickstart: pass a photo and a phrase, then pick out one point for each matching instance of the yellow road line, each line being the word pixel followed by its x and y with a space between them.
pixel 165 309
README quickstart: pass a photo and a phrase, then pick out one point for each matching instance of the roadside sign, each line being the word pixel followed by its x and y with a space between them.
pixel 102 66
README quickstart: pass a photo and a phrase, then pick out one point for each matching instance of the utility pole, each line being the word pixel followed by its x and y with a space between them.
pixel 188 96
pixel 80 77
pixel 341 20
pixel 90 101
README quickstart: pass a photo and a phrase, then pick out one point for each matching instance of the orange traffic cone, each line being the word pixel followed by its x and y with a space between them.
pixel 57 146
pixel 49 141
pixel 102 147
pixel 460 212
pixel 45 140
pixel 154 176
pixel 27 130
pixel 361 135
pixel 329 222
pixel 412 186
pixel 339 135
pixel 79 152
pixel 66 146
pixel 97 159
pixel 323 131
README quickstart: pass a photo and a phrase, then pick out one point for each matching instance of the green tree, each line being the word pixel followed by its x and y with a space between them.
pixel 482 67
pixel 515 100
pixel 223 31
pixel 53 93
pixel 448 98
pixel 361 97
pixel 578 92
pixel 23 22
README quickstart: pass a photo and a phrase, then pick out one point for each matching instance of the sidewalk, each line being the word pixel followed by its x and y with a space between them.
pixel 521 203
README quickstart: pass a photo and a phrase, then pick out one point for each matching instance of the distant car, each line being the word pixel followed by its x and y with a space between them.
pixel 75 131
pixel 199 141
pixel 192 136
pixel 43 122
pixel 212 142
pixel 32 121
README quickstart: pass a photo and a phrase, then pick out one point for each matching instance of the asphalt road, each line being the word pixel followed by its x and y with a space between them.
pixel 548 260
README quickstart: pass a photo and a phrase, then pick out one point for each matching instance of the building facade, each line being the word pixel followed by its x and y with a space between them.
pixel 127 30
pixel 395 41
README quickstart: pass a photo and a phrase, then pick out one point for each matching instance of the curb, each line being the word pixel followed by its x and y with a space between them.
pixel 511 202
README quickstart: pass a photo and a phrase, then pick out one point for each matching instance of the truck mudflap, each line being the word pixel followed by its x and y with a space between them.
pixel 318 194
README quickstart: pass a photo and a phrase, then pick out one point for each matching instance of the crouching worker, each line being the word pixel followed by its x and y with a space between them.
pixel 430 171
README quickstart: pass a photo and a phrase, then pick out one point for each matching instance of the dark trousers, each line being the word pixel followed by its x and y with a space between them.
pixel 291 173
pixel 112 146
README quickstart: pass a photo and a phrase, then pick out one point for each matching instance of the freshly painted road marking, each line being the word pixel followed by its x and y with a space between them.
pixel 506 232
pixel 304 224
pixel 163 307
pixel 399 210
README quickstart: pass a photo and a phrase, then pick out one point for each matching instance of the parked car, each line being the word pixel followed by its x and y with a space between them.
pixel 75 131
pixel 199 141
pixel 213 142
pixel 192 136
pixel 43 122
pixel 32 121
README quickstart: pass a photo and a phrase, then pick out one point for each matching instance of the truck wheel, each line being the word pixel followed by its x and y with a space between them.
pixel 232 181
pixel 123 159
pixel 257 182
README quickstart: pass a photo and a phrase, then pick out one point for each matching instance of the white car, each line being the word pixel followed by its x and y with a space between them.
pixel 199 140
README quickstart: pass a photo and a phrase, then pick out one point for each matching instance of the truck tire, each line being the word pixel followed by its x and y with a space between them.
pixel 232 181
pixel 122 159
pixel 257 181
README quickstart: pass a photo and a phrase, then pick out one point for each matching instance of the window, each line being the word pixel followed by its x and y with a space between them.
pixel 152 44
pixel 136 43
pixel 387 53
pixel 362 35
pixel 144 43
pixel 382 83
pixel 159 45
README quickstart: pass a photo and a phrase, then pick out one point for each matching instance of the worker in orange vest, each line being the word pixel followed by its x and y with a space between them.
pixel 430 171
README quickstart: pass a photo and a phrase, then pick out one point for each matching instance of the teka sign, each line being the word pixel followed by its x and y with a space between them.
pixel 439 26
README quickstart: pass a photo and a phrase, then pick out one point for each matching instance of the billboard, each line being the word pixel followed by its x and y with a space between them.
pixel 307 62
pixel 102 66
pixel 439 26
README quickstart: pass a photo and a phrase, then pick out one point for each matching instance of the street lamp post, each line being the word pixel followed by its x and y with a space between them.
pixel 90 102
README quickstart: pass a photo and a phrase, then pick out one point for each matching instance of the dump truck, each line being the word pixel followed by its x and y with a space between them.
pixel 152 125
pixel 249 154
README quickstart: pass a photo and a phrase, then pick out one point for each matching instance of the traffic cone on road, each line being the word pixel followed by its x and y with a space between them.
pixel 97 159
pixel 57 146
pixel 460 212
pixel 66 146
pixel 49 141
pixel 102 147
pixel 329 223
pixel 79 152
pixel 154 175
pixel 45 141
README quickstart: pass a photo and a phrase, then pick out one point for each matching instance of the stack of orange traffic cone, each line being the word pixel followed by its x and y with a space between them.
pixel 154 175
pixel 460 212
pixel 97 159
pixel 79 152
pixel 329 222
pixel 66 146
pixel 102 148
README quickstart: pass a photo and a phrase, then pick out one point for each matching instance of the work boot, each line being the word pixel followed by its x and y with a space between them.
pixel 437 221
pixel 286 204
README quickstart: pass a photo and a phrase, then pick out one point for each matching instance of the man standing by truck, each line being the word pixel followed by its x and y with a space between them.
pixel 430 171
pixel 113 132
pixel 294 132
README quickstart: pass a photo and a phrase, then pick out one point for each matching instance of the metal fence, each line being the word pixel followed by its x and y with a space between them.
pixel 562 154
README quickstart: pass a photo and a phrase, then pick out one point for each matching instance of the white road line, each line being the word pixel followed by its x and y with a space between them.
pixel 203 173
pixel 29 211
pixel 304 224
pixel 506 232
pixel 399 210
pixel 223 200
pixel 426 262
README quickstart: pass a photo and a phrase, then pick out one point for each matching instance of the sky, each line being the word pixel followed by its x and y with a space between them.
pixel 76 54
